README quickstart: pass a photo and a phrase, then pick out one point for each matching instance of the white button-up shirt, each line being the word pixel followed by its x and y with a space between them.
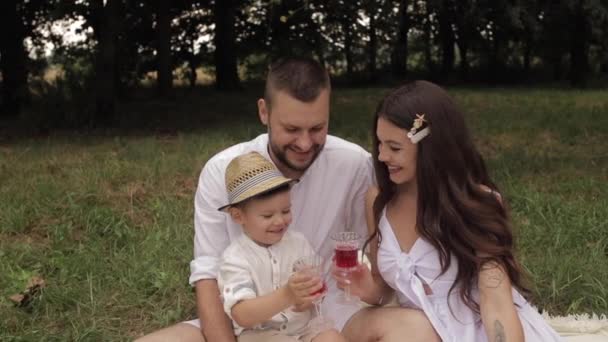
pixel 248 270
pixel 328 198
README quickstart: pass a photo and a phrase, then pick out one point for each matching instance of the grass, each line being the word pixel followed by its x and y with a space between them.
pixel 107 220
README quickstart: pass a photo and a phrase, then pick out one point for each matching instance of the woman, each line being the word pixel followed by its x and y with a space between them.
pixel 440 234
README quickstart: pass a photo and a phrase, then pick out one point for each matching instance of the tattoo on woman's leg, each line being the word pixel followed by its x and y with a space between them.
pixel 499 332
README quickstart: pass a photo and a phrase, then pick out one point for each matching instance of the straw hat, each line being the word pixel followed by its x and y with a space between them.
pixel 250 175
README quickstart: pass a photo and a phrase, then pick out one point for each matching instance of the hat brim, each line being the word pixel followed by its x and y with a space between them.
pixel 260 189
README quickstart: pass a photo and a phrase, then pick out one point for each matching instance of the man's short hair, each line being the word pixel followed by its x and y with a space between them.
pixel 301 78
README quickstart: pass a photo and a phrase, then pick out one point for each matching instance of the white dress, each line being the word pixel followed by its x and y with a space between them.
pixel 407 273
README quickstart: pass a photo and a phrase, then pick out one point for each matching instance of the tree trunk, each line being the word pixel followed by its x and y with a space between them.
pixel 12 60
pixel 463 48
pixel 318 41
pixel 319 52
pixel 604 61
pixel 279 29
pixel 226 74
pixel 192 73
pixel 192 63
pixel 446 35
pixel 373 43
pixel 106 62
pixel 527 54
pixel 348 43
pixel 579 49
pixel 164 67
pixel 495 67
pixel 604 57
pixel 348 51
pixel 399 55
pixel 556 67
pixel 428 44
pixel 465 35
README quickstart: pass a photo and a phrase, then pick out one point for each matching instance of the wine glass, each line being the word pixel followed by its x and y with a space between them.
pixel 346 247
pixel 314 265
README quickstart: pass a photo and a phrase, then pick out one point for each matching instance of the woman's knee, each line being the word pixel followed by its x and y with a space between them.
pixel 329 336
pixel 178 332
pixel 390 324
pixel 406 325
pixel 363 326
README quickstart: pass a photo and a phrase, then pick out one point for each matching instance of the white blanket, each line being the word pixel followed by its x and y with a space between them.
pixel 580 328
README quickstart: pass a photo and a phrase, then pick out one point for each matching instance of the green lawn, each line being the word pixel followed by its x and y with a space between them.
pixel 107 221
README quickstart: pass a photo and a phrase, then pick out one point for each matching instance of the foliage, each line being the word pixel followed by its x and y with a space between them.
pixel 493 41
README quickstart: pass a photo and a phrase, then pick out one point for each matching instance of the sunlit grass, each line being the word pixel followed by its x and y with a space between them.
pixel 107 220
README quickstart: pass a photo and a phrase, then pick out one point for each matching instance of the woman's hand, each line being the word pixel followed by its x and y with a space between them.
pixel 360 281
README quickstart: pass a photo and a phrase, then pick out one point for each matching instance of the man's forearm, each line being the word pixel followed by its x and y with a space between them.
pixel 216 325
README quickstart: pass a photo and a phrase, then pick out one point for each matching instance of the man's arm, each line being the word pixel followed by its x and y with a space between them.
pixel 210 239
pixel 364 178
pixel 215 324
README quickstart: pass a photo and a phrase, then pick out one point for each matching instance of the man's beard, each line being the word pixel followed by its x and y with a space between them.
pixel 281 155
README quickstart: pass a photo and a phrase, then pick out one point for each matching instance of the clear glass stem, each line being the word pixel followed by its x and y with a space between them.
pixel 347 296
pixel 318 310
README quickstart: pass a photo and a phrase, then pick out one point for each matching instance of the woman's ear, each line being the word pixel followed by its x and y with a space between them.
pixel 236 214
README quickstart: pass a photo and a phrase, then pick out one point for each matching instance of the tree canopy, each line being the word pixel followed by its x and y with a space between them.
pixel 359 41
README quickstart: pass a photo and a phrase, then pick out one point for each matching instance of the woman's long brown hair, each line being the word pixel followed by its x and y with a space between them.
pixel 455 213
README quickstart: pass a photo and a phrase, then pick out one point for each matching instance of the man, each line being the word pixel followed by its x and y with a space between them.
pixel 333 175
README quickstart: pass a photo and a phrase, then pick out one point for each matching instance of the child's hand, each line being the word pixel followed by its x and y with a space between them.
pixel 301 286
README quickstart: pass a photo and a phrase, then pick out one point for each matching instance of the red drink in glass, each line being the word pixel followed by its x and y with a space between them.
pixel 346 256
pixel 346 247
pixel 323 289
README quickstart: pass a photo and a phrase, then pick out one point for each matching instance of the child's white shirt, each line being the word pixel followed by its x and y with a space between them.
pixel 248 270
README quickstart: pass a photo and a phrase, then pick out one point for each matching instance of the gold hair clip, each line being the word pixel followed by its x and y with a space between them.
pixel 415 134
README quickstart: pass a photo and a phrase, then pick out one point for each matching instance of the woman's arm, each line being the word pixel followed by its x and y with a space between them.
pixel 384 292
pixel 498 313
pixel 366 284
